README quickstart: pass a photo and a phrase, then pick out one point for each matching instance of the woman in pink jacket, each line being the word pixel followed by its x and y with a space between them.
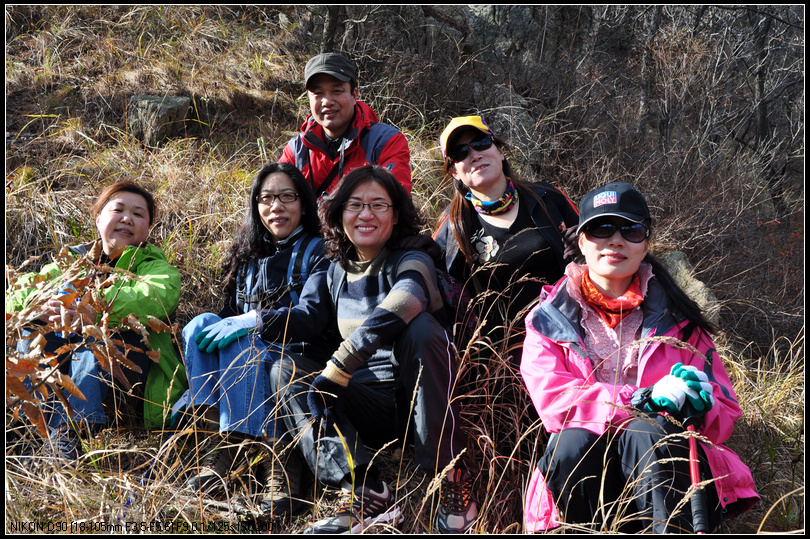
pixel 612 350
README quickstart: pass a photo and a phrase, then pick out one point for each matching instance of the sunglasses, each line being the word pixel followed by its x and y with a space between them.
pixel 634 233
pixel 460 153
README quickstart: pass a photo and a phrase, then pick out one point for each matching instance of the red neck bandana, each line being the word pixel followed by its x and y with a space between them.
pixel 612 310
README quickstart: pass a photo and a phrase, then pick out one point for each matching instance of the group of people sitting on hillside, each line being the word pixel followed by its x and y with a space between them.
pixel 335 337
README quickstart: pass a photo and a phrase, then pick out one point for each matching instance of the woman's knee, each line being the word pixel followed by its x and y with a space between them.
pixel 197 324
pixel 424 338
pixel 292 368
pixel 653 432
pixel 574 448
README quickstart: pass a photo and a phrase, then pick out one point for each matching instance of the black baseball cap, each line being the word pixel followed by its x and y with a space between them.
pixel 330 63
pixel 617 199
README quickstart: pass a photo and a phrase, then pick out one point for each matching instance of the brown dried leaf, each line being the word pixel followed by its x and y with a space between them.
pixel 132 322
pixel 95 251
pixel 68 384
pixel 109 363
pixel 158 325
pixel 74 272
pixel 62 398
pixel 15 387
pixel 20 367
pixel 37 343
pixel 154 355
pixel 65 349
pixel 126 362
pixel 110 280
pixel 68 298
pixel 80 284
pixel 93 331
pixel 34 415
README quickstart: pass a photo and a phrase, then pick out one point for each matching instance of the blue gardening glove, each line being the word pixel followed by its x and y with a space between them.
pixel 698 382
pixel 221 334
pixel 326 390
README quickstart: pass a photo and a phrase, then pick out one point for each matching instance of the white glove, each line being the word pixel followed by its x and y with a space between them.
pixel 221 334
pixel 669 394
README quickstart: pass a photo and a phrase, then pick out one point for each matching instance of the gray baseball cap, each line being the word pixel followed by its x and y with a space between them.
pixel 332 64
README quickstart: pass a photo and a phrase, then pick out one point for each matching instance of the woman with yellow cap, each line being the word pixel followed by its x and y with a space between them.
pixel 501 235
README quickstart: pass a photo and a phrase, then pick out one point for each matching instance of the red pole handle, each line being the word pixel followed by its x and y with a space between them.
pixel 700 522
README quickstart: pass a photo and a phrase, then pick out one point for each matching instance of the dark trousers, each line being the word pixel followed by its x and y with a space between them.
pixel 409 399
pixel 631 481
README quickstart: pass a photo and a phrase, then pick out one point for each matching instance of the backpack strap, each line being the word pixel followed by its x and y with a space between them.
pixel 245 280
pixel 337 275
pixel 298 269
pixel 330 178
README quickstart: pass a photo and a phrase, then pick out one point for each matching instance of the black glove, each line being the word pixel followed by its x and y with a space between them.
pixel 325 394
pixel 571 251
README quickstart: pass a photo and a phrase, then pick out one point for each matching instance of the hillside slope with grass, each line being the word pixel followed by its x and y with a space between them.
pixel 702 108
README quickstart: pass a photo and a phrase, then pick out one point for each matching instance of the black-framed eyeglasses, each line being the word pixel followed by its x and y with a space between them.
pixel 632 232
pixel 460 153
pixel 357 207
pixel 285 198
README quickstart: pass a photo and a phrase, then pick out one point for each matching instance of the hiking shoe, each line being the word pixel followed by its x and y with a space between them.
pixel 283 489
pixel 360 510
pixel 63 446
pixel 213 470
pixel 457 511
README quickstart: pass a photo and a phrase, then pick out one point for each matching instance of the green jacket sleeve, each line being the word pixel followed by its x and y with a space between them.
pixel 18 299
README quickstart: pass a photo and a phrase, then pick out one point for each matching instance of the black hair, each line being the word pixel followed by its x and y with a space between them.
pixel 253 241
pixel 336 243
pixel 679 301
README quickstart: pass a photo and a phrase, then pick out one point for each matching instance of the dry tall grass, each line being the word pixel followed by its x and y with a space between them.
pixel 69 73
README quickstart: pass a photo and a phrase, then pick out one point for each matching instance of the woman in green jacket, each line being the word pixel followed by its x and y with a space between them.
pixel 141 288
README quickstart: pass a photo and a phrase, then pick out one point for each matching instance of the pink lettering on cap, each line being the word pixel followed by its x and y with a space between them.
pixel 608 197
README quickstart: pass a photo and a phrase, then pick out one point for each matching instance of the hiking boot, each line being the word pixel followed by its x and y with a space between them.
pixel 213 470
pixel 361 510
pixel 457 511
pixel 283 489
pixel 63 446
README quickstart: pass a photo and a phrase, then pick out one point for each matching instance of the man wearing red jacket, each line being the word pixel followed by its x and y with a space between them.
pixel 342 132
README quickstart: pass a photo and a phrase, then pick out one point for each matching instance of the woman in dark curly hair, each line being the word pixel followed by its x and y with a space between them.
pixel 391 375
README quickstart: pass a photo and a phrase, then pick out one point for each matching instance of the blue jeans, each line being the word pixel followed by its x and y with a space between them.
pixel 235 380
pixel 93 381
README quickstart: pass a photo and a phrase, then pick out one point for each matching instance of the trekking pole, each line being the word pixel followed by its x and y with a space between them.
pixel 700 520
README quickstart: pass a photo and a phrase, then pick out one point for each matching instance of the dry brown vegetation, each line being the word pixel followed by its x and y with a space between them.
pixel 702 108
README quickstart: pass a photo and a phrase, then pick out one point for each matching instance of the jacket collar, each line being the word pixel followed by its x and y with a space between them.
pixel 558 314
pixel 313 135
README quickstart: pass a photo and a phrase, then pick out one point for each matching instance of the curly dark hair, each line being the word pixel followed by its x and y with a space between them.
pixel 253 240
pixel 336 244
